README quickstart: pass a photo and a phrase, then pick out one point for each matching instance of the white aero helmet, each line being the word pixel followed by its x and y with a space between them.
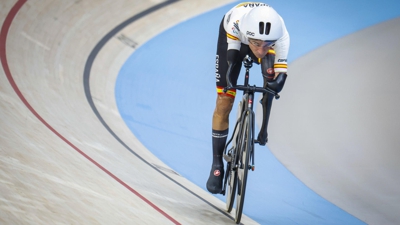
pixel 262 23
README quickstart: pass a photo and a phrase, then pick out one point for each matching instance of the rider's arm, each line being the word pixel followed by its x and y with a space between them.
pixel 231 26
pixel 281 48
pixel 232 58
pixel 281 52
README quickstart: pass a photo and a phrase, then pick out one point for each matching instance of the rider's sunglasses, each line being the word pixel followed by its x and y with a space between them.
pixel 260 43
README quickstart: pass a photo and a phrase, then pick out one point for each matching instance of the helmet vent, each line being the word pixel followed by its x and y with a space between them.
pixel 265 28
pixel 261 26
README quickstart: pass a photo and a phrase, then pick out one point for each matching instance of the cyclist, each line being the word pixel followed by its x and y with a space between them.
pixel 257 30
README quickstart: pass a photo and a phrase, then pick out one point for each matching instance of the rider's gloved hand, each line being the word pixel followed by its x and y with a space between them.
pixel 278 83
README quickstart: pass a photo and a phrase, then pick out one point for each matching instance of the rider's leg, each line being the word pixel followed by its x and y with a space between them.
pixel 220 124
pixel 276 84
pixel 267 69
pixel 219 135
pixel 266 103
pixel 220 121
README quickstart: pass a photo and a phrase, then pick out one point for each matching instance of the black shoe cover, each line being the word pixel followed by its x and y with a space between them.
pixel 214 183
pixel 262 139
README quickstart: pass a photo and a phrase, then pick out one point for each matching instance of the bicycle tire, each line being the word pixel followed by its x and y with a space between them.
pixel 242 170
pixel 231 188
pixel 231 171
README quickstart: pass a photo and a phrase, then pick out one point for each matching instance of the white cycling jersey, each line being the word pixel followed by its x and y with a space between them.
pixel 235 37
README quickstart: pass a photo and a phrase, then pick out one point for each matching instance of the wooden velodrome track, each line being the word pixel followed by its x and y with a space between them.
pixel 60 163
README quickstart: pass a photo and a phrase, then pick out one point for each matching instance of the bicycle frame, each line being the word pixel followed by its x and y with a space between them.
pixel 247 100
pixel 241 153
pixel 246 105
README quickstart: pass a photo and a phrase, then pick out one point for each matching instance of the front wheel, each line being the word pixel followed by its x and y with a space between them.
pixel 247 146
pixel 231 188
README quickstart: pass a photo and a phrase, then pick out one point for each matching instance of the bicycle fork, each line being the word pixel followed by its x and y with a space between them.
pixel 252 128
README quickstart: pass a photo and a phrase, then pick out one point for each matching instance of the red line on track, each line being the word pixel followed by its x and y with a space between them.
pixel 3 57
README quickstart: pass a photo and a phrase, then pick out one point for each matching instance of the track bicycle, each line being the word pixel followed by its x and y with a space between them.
pixel 239 150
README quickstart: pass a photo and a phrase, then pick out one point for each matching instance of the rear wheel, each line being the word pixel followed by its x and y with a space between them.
pixel 243 162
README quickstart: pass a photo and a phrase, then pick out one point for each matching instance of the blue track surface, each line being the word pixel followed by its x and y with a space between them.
pixel 166 94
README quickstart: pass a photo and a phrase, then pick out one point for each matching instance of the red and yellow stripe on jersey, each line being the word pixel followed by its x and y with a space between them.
pixel 280 66
pixel 270 51
pixel 232 37
pixel 231 93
